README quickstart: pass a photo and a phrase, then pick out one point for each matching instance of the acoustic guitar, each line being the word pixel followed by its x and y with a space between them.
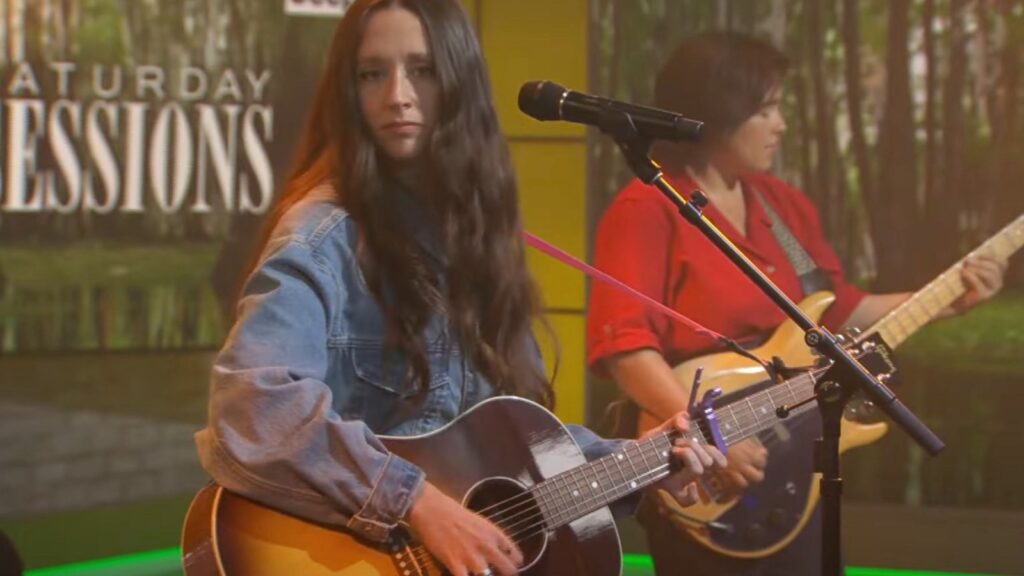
pixel 506 458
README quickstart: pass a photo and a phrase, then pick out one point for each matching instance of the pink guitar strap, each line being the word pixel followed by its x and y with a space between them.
pixel 589 270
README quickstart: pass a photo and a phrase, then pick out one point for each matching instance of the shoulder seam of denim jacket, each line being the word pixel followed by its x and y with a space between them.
pixel 326 226
pixel 304 213
pixel 308 221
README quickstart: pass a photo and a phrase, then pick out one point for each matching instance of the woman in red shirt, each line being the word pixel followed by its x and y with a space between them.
pixel 733 84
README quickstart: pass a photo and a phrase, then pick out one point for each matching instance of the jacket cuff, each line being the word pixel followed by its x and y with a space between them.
pixel 396 488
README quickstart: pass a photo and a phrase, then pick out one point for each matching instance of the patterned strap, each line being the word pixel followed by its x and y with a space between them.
pixel 812 278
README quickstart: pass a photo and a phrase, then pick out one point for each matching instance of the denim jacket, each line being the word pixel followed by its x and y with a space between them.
pixel 302 385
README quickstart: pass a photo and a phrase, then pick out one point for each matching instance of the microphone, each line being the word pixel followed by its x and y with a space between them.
pixel 545 100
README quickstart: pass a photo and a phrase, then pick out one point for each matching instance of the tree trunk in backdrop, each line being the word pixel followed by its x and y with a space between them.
pixel 893 211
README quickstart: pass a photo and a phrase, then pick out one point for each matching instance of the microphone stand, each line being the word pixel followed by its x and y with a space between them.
pixel 833 389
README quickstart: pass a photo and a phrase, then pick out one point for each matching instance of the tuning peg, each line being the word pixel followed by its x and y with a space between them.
pixel 704 411
pixel 692 404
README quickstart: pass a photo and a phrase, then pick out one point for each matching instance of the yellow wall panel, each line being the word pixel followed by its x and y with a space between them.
pixel 527 40
pixel 546 40
pixel 552 187
pixel 570 382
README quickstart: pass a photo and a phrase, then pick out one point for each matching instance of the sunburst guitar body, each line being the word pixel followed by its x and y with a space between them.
pixel 506 458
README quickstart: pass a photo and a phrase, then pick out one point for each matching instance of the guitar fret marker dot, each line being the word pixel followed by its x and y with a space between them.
pixel 593 484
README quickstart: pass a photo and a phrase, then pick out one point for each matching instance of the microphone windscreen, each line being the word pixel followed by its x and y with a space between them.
pixel 541 99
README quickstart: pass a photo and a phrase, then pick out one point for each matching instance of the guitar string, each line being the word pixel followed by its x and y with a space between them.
pixel 750 427
pixel 540 525
pixel 522 534
pixel 593 497
pixel 741 432
pixel 421 555
pixel 604 495
pixel 519 533
pixel 524 500
pixel 756 425
pixel 560 519
pixel 747 427
pixel 536 524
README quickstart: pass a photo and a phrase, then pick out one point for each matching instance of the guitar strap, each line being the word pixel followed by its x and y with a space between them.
pixel 812 278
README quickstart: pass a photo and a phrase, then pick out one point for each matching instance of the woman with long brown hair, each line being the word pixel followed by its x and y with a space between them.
pixel 391 295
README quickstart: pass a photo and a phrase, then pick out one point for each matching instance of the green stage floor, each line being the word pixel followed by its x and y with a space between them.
pixel 167 563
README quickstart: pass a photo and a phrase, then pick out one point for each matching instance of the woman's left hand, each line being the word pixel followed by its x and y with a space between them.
pixel 696 460
pixel 983 279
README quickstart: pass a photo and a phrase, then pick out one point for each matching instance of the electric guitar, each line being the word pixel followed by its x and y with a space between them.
pixel 507 459
pixel 769 515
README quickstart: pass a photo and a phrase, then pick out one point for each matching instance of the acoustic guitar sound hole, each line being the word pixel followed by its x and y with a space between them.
pixel 509 505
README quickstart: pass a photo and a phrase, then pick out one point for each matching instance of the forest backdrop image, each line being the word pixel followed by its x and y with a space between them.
pixel 143 141
pixel 905 128
pixel 140 144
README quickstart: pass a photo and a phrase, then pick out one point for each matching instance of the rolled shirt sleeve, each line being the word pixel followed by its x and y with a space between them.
pixel 632 243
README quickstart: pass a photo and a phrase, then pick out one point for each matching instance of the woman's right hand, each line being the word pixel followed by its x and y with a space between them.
pixel 465 542
pixel 746 463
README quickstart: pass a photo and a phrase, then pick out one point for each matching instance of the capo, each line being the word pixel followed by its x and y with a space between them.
pixel 704 411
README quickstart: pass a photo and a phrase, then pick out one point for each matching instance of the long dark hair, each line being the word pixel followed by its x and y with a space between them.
pixel 720 78
pixel 488 295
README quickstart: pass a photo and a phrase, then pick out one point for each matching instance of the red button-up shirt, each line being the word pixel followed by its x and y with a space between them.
pixel 643 241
